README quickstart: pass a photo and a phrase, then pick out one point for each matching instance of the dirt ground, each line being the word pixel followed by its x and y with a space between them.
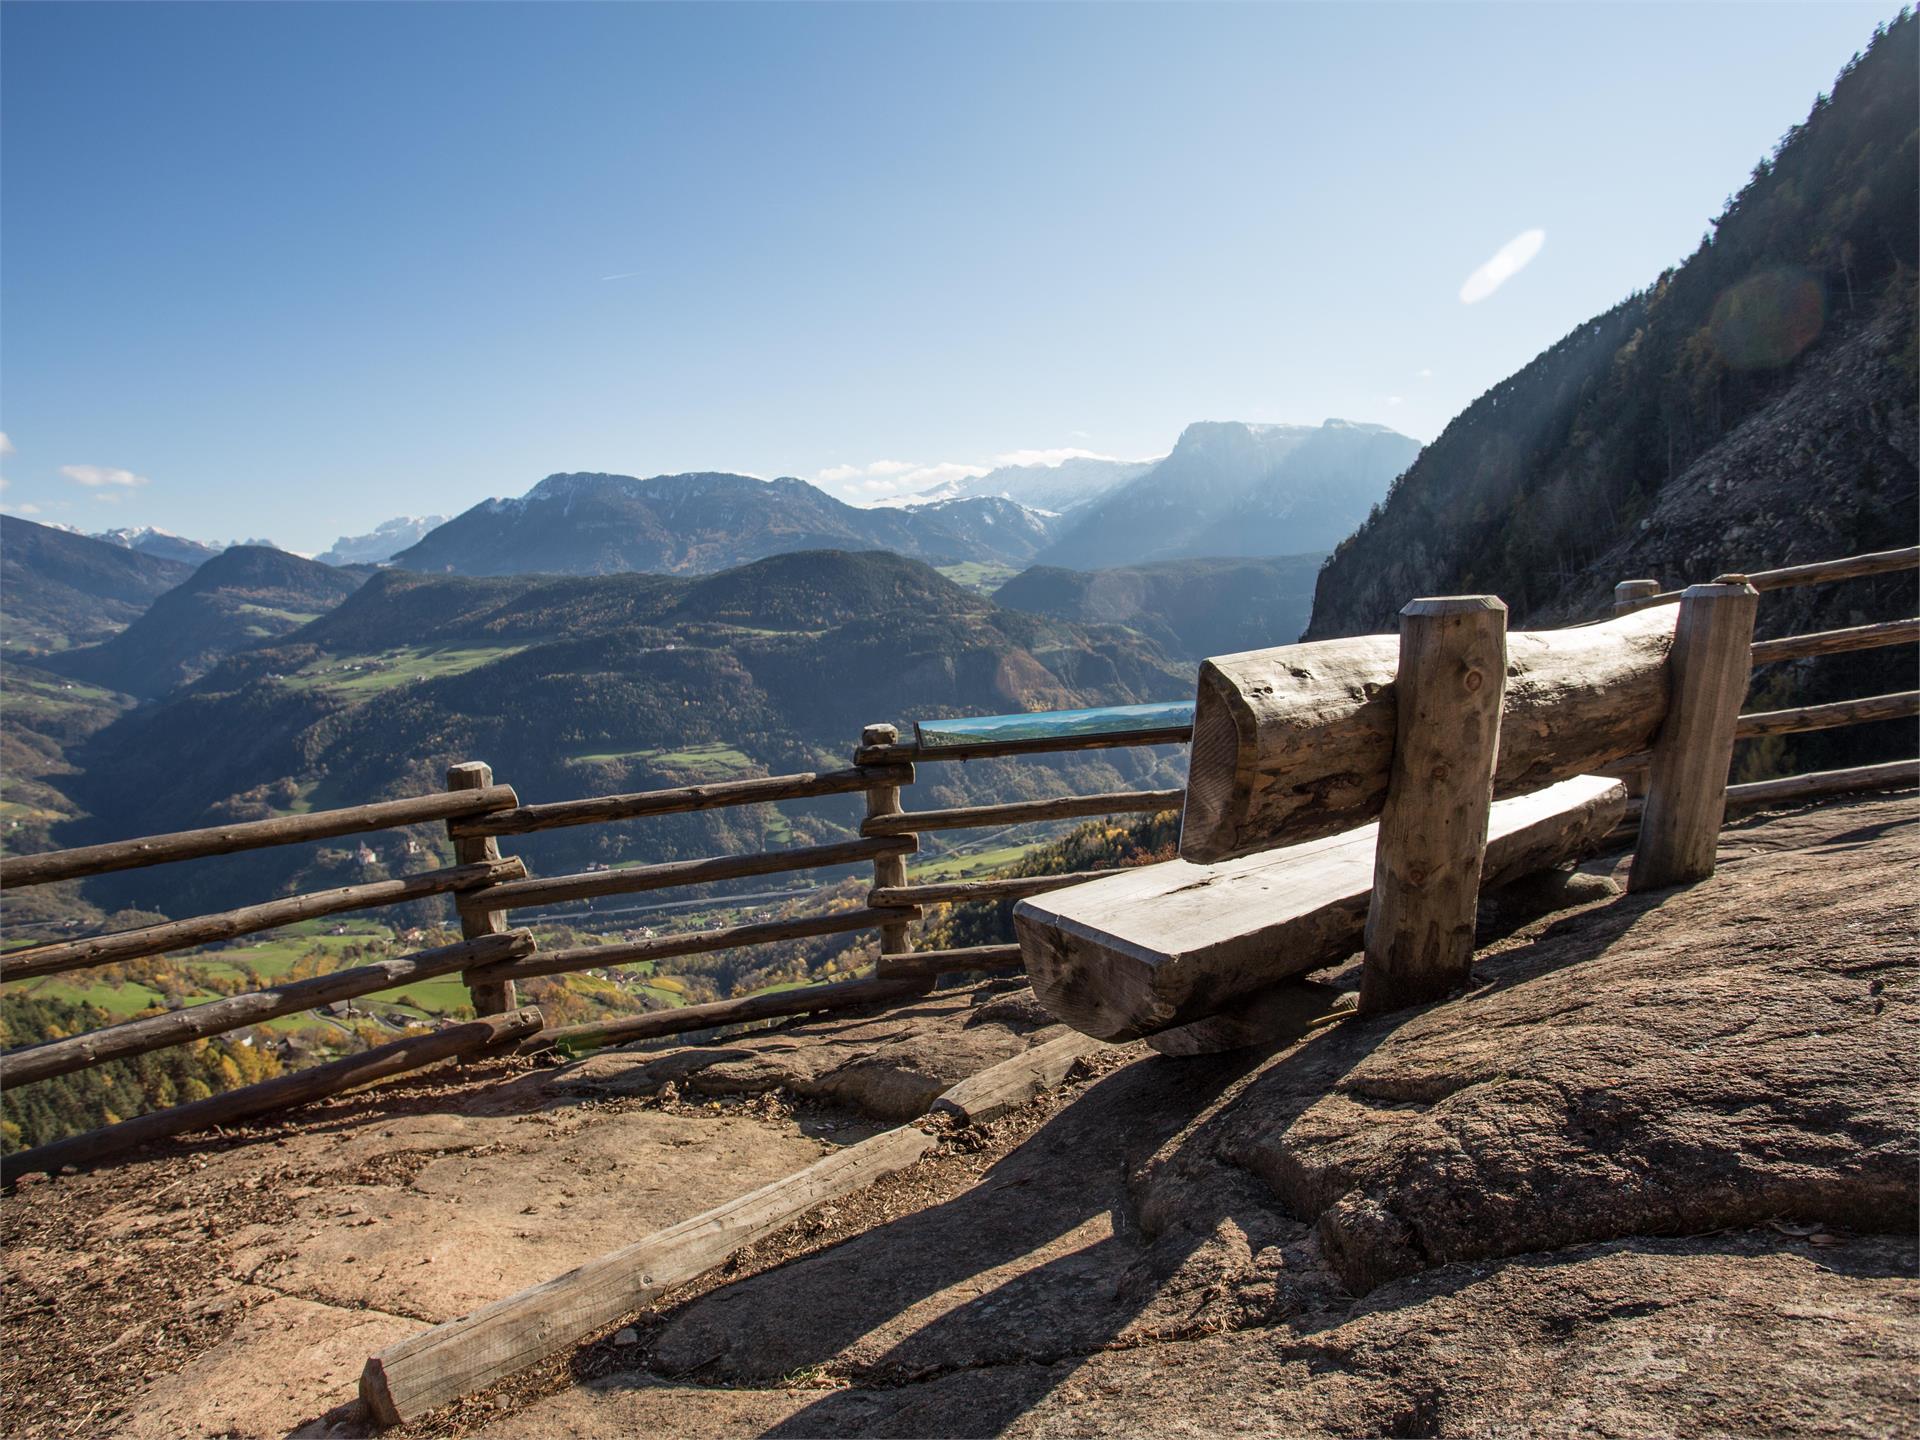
pixel 1653 1174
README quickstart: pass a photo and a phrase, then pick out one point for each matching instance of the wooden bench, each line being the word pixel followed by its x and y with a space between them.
pixel 1170 944
pixel 1296 749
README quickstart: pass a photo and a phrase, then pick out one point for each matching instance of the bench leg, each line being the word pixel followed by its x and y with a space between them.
pixel 1433 828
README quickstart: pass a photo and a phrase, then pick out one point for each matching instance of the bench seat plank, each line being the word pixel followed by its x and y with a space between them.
pixel 1168 944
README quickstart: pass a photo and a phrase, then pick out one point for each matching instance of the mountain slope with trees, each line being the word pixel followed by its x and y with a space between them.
pixel 244 596
pixel 1754 408
pixel 572 686
pixel 63 589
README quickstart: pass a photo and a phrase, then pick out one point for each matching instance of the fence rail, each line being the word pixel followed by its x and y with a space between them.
pixel 486 886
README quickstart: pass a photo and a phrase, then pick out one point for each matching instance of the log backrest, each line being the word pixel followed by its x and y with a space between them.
pixel 1296 742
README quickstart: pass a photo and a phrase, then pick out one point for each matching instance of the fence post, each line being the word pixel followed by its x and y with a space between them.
pixel 1710 664
pixel 1433 827
pixel 498 997
pixel 888 870
pixel 1628 594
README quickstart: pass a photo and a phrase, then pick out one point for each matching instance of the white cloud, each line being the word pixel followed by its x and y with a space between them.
pixel 6 509
pixel 1395 400
pixel 1423 374
pixel 94 477
pixel 889 477
pixel 6 445
pixel 1508 261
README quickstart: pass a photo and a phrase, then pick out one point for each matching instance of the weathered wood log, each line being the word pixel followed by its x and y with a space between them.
pixel 888 871
pixel 1820 572
pixel 490 997
pixel 1892 775
pixel 1295 742
pixel 438 1366
pixel 685 799
pixel 1835 642
pixel 969 892
pixel 1003 1088
pixel 558 889
pixel 694 942
pixel 1167 944
pixel 280 1093
pixel 87 860
pixel 214 1017
pixel 250 920
pixel 1433 825
pixel 1901 705
pixel 1687 779
pixel 1034 745
pixel 1632 595
pixel 1019 812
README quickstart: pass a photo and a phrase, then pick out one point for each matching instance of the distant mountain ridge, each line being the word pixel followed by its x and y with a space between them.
pixel 1056 489
pixel 1234 488
pixel 151 540
pixel 383 542
pixel 600 524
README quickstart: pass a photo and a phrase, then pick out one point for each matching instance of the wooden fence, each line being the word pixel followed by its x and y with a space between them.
pixel 487 887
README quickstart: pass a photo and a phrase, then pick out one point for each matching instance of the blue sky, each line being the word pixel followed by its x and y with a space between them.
pixel 289 270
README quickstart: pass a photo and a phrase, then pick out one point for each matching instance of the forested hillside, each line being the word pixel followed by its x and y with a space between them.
pixel 1754 407
pixel 62 589
pixel 573 686
pixel 243 597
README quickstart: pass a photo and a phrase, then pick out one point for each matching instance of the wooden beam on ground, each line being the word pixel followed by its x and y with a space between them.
pixel 695 942
pixel 1433 825
pixel 205 929
pixel 1168 944
pixel 214 1017
pixel 1001 1089
pixel 1019 812
pixel 280 1093
pixel 1687 781
pixel 437 1367
pixel 1835 642
pixel 87 860
pixel 1296 742
pixel 969 892
pixel 558 889
pixel 684 799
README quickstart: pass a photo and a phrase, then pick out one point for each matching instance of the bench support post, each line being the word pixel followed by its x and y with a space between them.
pixel 1433 827
pixel 1711 662
pixel 497 997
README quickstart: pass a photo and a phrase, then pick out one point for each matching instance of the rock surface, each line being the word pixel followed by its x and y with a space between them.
pixel 1652 1174
pixel 1588 1196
